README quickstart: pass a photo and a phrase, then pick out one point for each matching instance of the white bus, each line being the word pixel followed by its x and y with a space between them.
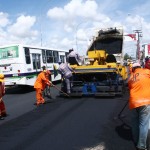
pixel 22 63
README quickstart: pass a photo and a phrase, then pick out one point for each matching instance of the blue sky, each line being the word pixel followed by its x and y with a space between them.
pixel 69 24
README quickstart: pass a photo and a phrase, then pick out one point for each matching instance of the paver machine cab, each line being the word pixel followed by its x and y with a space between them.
pixel 100 74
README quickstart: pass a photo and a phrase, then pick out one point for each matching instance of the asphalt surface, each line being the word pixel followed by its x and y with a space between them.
pixel 64 124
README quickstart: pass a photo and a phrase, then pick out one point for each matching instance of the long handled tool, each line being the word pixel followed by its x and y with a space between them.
pixel 120 113
pixel 59 90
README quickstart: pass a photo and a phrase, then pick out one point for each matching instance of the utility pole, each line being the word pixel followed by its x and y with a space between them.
pixel 138 35
pixel 41 21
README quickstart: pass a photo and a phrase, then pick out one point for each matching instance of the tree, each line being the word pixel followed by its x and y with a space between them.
pixel 126 56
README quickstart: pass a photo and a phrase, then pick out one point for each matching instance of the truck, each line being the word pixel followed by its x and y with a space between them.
pixel 101 75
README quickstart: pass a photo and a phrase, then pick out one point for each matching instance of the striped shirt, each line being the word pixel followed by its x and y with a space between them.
pixel 65 70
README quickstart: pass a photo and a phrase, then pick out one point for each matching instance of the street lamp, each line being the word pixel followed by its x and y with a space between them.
pixel 138 35
pixel 41 33
pixel 76 32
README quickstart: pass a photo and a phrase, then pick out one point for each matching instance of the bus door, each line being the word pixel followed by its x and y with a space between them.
pixel 36 61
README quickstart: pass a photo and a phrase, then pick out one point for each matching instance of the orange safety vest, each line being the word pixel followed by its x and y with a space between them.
pixel 41 81
pixel 139 87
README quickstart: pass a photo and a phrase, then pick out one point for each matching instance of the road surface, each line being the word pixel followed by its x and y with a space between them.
pixel 64 123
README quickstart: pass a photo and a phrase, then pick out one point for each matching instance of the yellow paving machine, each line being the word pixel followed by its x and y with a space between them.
pixel 100 74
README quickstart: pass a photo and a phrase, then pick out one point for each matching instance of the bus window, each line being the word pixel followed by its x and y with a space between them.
pixel 62 58
pixel 9 52
pixel 49 56
pixel 27 55
pixel 56 56
pixel 44 56
pixel 36 61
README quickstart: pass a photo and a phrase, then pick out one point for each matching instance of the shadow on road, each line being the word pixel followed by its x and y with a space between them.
pixel 19 90
pixel 124 131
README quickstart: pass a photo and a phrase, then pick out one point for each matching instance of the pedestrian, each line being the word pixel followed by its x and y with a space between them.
pixel 66 72
pixel 40 85
pixel 147 63
pixel 2 93
pixel 139 103
pixel 146 58
pixel 47 91
pixel 74 58
pixel 130 68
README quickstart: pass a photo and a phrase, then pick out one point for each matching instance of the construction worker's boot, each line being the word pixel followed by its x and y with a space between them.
pixel 49 96
pixel 5 115
pixel 1 118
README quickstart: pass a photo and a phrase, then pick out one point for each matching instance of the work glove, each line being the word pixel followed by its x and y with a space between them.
pixel 51 84
pixel 48 83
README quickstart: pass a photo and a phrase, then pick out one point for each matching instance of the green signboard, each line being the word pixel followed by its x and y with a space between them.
pixel 9 52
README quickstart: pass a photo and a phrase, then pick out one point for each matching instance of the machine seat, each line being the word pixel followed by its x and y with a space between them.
pixel 111 59
pixel 73 61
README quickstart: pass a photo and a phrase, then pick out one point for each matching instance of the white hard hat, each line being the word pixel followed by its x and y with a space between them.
pixel 136 65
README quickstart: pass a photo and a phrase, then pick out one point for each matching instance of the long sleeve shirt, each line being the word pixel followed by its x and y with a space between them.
pixel 65 70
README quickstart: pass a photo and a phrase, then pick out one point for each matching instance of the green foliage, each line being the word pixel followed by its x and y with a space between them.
pixel 126 56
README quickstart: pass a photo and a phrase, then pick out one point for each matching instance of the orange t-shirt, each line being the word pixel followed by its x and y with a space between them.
pixel 139 86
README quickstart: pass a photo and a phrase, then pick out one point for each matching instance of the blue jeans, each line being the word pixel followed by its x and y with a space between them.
pixel 140 125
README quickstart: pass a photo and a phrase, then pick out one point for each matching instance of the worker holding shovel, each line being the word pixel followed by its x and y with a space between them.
pixel 39 85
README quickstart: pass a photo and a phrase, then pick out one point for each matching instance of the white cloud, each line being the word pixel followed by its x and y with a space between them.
pixel 78 14
pixel 57 13
pixel 23 27
pixel 68 28
pixel 74 9
pixel 3 19
pixel 77 20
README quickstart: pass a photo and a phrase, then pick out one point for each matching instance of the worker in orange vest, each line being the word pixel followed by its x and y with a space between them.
pixel 2 93
pixel 139 103
pixel 40 85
